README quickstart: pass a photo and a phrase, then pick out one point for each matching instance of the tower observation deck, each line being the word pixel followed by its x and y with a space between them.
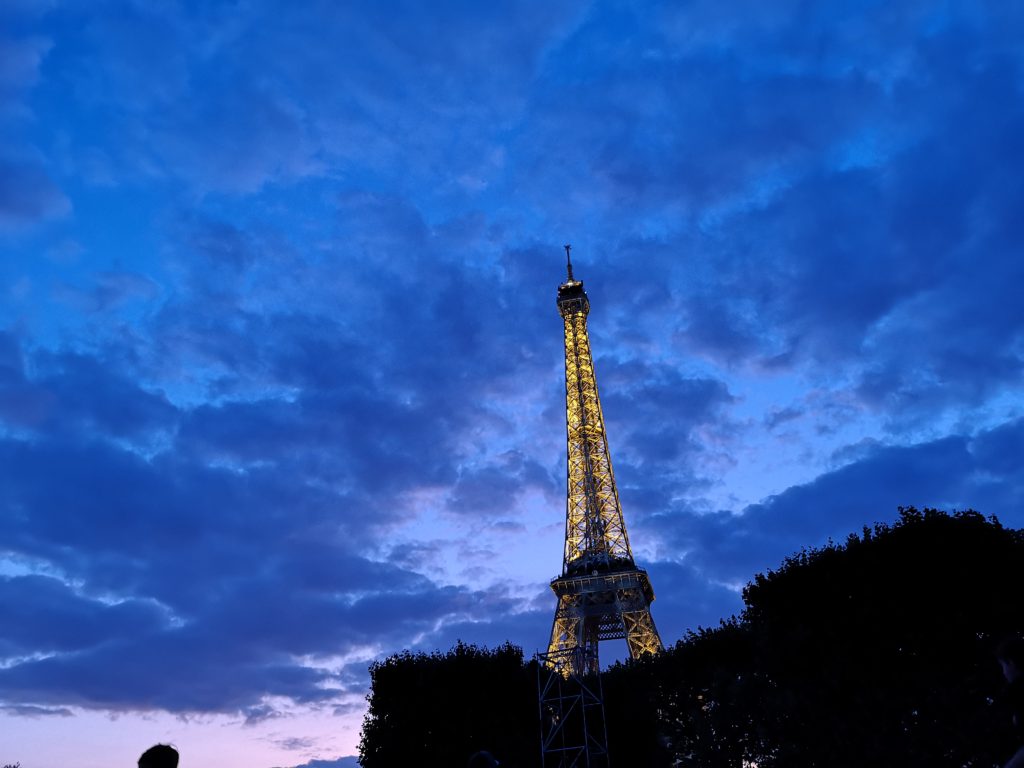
pixel 602 594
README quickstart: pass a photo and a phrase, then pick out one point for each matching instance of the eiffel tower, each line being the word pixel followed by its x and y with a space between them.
pixel 602 595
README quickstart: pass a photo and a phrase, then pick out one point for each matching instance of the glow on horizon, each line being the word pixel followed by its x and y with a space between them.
pixel 97 739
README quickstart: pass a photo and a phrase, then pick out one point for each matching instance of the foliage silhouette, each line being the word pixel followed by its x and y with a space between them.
pixel 438 709
pixel 874 652
pixel 877 651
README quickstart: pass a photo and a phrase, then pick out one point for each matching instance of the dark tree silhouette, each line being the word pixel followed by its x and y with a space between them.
pixel 877 651
pixel 438 709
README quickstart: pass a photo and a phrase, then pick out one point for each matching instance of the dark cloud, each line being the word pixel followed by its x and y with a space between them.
pixel 184 554
pixel 659 422
pixel 341 762
pixel 381 119
pixel 81 394
pixel 44 615
pixel 175 672
pixel 28 195
pixel 293 743
pixel 220 244
pixel 805 210
pixel 307 344
pixel 781 416
pixel 28 710
pixel 238 647
pixel 955 472
pixel 638 395
pixel 492 490
pixel 20 60
pixel 110 291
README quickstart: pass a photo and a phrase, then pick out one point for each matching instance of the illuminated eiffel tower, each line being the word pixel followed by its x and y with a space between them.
pixel 602 595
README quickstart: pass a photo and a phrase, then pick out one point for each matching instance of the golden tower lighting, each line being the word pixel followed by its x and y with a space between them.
pixel 602 595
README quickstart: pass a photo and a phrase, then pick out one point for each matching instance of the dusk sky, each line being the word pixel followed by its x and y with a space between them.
pixel 281 373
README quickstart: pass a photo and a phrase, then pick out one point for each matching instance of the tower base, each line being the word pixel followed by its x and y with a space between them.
pixel 603 606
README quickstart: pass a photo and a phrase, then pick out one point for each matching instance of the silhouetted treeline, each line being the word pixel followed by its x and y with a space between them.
pixel 438 709
pixel 873 652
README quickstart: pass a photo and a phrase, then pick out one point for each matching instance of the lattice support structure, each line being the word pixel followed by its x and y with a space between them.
pixel 601 593
pixel 606 606
pixel 595 533
pixel 573 732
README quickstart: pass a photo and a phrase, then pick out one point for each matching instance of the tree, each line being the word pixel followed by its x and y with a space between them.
pixel 880 650
pixel 438 709
pixel 684 706
pixel 877 651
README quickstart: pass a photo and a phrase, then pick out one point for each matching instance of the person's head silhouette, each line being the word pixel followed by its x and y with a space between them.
pixel 159 756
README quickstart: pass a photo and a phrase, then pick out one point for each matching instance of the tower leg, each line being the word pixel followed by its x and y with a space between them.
pixel 571 632
pixel 641 635
pixel 567 629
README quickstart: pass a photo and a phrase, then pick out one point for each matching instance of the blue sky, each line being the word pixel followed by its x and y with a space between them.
pixel 281 367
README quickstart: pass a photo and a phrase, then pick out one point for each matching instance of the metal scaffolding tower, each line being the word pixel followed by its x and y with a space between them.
pixel 572 724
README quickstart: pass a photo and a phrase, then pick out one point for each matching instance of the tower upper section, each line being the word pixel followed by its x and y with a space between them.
pixel 572 298
pixel 595 534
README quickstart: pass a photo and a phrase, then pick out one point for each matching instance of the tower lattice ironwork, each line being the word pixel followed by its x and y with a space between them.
pixel 602 595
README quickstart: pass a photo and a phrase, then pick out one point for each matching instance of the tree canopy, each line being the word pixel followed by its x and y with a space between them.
pixel 438 709
pixel 873 651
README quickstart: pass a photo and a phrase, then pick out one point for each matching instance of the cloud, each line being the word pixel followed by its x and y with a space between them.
pixel 188 556
pixel 294 743
pixel 28 195
pixel 341 762
pixel 390 114
pixel 27 710
pixel 20 61
pixel 802 207
pixel 492 490
pixel 134 676
pixel 78 393
pixel 299 402
pixel 46 616
pixel 110 291
pixel 955 472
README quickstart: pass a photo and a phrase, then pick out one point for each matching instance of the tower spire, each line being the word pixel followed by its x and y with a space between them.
pixel 602 595
pixel 568 260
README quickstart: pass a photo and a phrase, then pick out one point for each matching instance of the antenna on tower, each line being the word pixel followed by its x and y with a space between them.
pixel 568 260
